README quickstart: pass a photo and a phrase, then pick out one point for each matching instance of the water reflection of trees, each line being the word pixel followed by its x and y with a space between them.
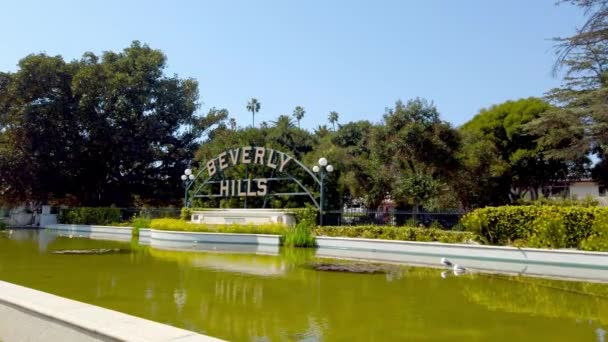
pixel 541 297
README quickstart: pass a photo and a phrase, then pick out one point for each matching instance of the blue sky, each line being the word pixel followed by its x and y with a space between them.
pixel 353 57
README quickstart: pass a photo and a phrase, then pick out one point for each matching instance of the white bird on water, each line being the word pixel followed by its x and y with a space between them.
pixel 455 267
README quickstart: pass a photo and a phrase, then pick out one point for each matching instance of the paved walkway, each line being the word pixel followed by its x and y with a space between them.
pixel 18 325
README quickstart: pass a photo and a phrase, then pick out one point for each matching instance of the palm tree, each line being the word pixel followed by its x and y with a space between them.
pixel 298 113
pixel 321 131
pixel 253 106
pixel 283 123
pixel 333 119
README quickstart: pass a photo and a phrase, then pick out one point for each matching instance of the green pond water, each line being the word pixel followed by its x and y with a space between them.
pixel 249 297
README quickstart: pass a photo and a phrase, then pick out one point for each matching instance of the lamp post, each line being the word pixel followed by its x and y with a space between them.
pixel 322 169
pixel 187 180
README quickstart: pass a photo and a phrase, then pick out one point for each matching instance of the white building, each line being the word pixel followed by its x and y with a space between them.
pixel 578 189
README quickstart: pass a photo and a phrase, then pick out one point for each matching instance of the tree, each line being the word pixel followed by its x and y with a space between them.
pixel 578 124
pixel 253 106
pixel 502 160
pixel 232 124
pixel 105 129
pixel 333 119
pixel 298 114
pixel 414 146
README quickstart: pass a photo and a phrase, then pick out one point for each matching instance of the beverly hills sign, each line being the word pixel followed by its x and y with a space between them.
pixel 246 155
pixel 211 181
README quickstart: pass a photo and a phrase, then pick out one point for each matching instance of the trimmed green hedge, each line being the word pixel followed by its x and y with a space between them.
pixel 89 215
pixel 540 226
pixel 181 225
pixel 397 233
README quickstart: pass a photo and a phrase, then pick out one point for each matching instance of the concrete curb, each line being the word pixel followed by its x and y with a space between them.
pixel 570 258
pixel 108 324
pixel 81 228
pixel 229 238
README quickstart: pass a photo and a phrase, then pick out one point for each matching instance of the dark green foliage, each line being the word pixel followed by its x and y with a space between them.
pixel 3 225
pixel 307 215
pixel 185 214
pixel 88 215
pixel 101 130
pixel 397 233
pixel 501 161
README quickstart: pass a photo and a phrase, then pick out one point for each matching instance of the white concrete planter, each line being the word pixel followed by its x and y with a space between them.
pixel 77 228
pixel 244 216
pixel 570 258
pixel 230 238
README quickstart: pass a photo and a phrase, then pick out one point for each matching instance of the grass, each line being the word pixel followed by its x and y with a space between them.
pixel 299 236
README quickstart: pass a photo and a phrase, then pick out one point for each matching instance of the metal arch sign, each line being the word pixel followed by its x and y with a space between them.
pixel 275 160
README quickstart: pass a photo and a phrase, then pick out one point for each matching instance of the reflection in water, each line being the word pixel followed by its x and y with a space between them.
pixel 601 333
pixel 240 296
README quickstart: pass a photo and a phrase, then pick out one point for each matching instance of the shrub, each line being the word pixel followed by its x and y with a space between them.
pixel 138 222
pixel 598 239
pixel 396 233
pixel 549 231
pixel 185 214
pixel 436 225
pixel 180 225
pixel 539 225
pixel 306 215
pixel 3 225
pixel 89 215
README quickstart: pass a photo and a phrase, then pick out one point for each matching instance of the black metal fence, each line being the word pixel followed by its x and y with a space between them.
pixel 439 219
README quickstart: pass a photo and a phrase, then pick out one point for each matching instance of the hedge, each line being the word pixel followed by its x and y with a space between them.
pixel 89 215
pixel 540 226
pixel 181 225
pixel 397 233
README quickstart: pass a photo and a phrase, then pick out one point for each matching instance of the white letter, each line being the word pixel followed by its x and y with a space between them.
pixel 284 161
pixel 211 167
pixel 234 156
pixel 259 155
pixel 222 158
pixel 245 157
pixel 224 188
pixel 269 163
pixel 262 188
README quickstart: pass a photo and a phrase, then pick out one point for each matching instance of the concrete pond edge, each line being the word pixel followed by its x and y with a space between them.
pixel 98 322
pixel 566 258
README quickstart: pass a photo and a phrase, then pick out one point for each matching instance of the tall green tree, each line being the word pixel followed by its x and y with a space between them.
pixel 253 106
pixel 578 124
pixel 415 147
pixel 502 161
pixel 106 129
pixel 298 114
